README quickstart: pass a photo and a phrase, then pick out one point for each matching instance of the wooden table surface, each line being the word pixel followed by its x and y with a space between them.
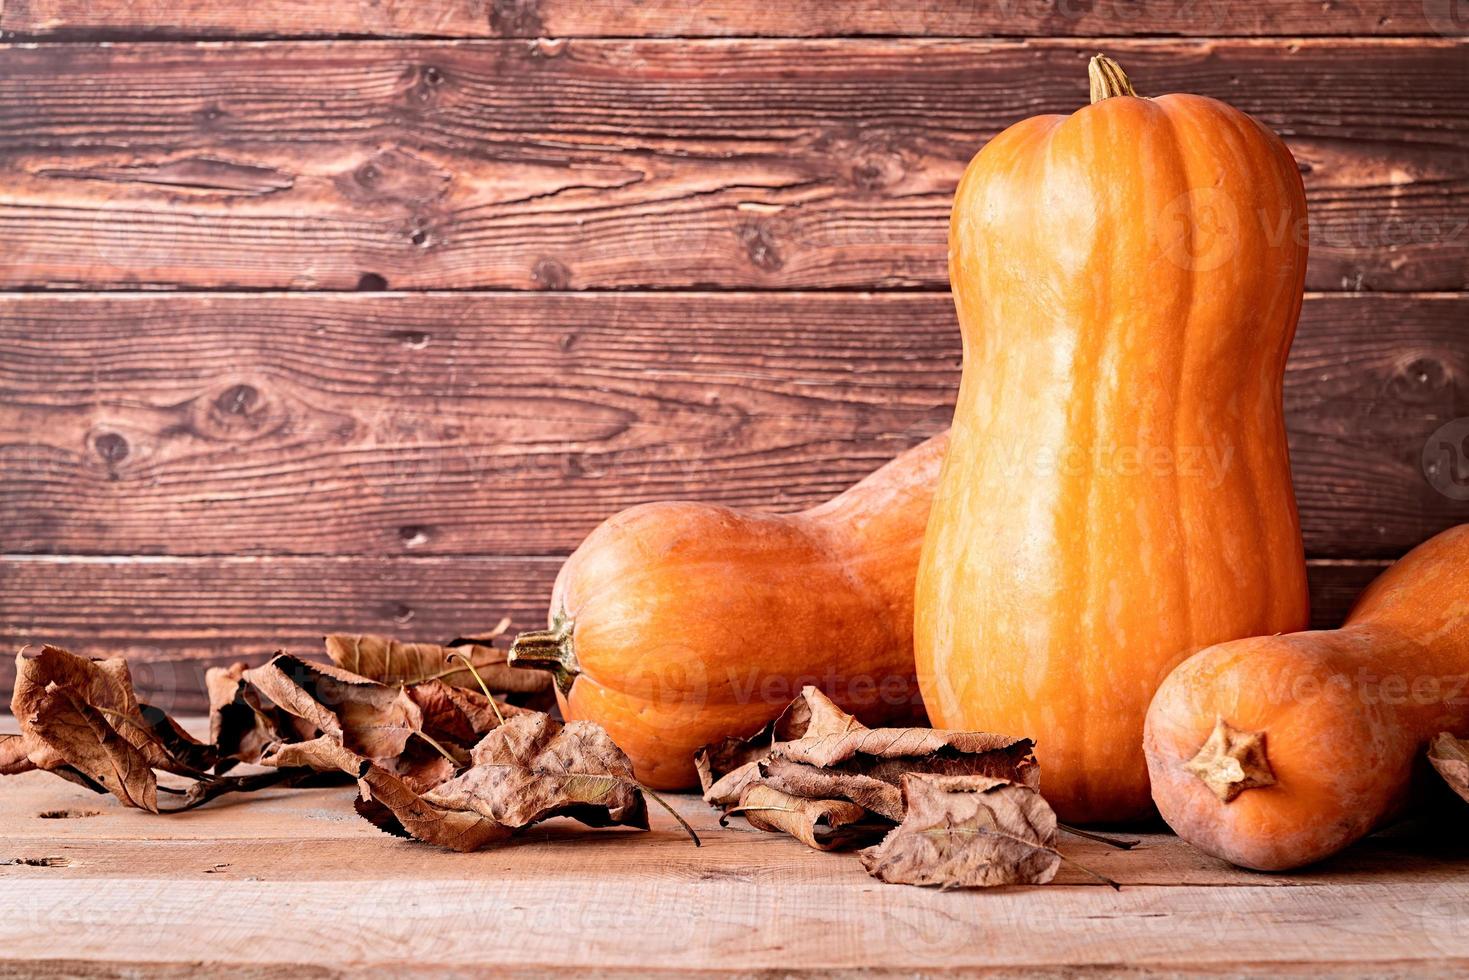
pixel 293 882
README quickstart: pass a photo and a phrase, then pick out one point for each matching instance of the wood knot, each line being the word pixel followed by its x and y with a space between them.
pixel 878 170
pixel 411 339
pixel 516 18
pixel 1231 761
pixel 551 274
pixel 237 400
pixel 238 406
pixel 112 447
pixel 759 246
pixel 395 177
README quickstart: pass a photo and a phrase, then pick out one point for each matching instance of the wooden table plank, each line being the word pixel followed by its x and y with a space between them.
pixel 512 424
pixel 294 879
pixel 131 19
pixel 592 163
pixel 173 618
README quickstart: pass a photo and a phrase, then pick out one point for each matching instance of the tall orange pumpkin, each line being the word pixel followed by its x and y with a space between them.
pixel 1117 490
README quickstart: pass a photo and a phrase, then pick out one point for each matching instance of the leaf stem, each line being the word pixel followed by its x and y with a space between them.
pixel 499 718
pixel 665 805
pixel 1119 843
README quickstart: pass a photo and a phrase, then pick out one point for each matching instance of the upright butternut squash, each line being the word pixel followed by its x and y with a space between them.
pixel 1117 491
pixel 675 625
pixel 1276 751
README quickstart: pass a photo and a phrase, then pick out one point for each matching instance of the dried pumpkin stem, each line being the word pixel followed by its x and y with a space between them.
pixel 1108 80
pixel 553 649
pixel 1231 761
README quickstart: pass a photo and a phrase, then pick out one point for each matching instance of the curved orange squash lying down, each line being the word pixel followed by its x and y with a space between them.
pixel 1276 751
pixel 1117 492
pixel 675 625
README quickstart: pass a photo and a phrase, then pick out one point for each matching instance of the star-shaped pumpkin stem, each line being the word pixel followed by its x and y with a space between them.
pixel 1231 761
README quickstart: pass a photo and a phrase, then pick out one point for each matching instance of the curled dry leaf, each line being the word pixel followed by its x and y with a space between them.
pixel 371 719
pixel 457 714
pixel 529 769
pixel 967 832
pixel 392 806
pixel 817 751
pixel 390 661
pixel 82 715
pixel 15 755
pixel 826 825
pixel 729 767
pixel 240 726
pixel 419 767
pixel 1450 756
pixel 81 719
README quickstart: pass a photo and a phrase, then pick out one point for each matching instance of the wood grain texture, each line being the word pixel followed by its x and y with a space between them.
pixel 174 617
pixel 227 886
pixel 514 423
pixel 125 19
pixel 682 163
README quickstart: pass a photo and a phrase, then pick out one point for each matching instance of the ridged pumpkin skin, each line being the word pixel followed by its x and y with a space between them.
pixel 691 622
pixel 1344 716
pixel 1117 492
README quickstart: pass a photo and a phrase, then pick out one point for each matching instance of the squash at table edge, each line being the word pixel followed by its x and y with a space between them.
pixel 1117 492
pixel 1277 751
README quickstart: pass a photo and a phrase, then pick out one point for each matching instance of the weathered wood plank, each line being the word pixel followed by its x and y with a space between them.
pixel 586 163
pixel 154 19
pixel 174 617
pixel 489 917
pixel 313 835
pixel 240 878
pixel 514 423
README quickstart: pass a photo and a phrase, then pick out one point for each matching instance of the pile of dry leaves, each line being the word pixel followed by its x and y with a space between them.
pixel 450 745
pixel 435 756
pixel 954 809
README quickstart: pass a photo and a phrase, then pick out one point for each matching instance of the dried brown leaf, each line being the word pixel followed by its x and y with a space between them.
pixel 371 719
pixel 1450 756
pixel 390 661
pixel 825 825
pixel 529 769
pixel 240 726
pixel 814 783
pixel 817 751
pixel 534 767
pixel 389 803
pixel 458 714
pixel 15 755
pixel 80 717
pixel 727 768
pixel 967 832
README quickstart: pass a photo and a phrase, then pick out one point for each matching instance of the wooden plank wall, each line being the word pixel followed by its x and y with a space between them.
pixel 357 316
